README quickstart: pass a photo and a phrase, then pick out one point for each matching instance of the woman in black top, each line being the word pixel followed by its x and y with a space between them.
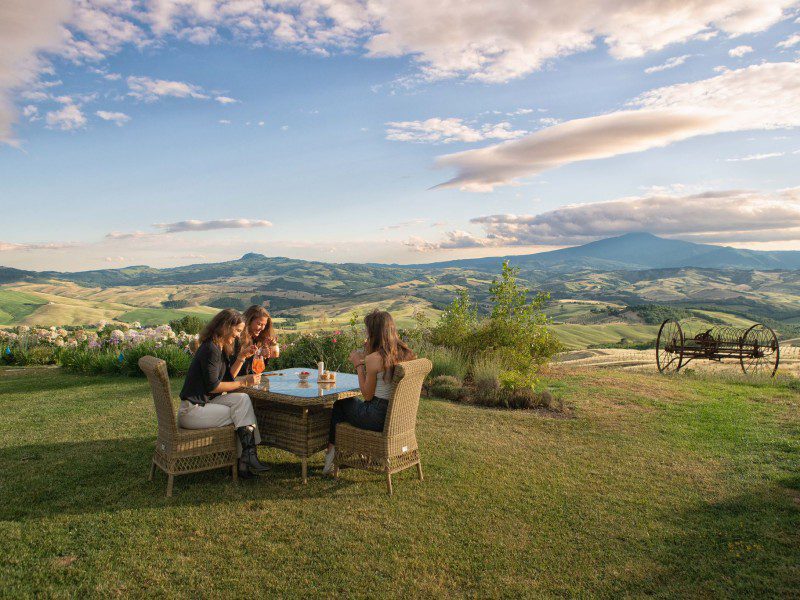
pixel 208 400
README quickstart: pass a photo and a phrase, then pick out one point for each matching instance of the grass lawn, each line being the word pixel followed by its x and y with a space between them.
pixel 158 316
pixel 666 487
pixel 14 306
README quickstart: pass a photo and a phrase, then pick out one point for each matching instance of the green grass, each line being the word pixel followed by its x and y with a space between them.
pixel 159 316
pixel 14 306
pixel 666 487
pixel 575 336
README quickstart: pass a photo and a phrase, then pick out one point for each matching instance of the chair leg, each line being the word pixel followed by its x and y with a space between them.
pixel 304 469
pixel 170 479
pixel 152 471
pixel 235 473
pixel 389 483
pixel 336 472
pixel 419 470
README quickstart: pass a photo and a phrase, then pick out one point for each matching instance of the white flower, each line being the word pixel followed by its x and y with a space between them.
pixel 23 329
pixel 60 343
pixel 136 325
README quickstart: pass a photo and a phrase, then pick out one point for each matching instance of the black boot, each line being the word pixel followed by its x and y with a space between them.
pixel 244 473
pixel 249 454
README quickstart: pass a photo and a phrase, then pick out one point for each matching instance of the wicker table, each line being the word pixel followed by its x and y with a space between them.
pixel 295 415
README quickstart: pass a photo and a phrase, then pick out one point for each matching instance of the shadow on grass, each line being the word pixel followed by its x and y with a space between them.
pixel 747 547
pixel 40 480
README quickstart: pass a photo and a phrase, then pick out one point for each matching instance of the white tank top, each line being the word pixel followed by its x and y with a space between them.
pixel 384 389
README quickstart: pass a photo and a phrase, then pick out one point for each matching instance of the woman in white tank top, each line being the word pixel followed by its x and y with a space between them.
pixel 375 368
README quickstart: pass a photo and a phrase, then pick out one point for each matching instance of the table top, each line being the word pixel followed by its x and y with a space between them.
pixel 285 386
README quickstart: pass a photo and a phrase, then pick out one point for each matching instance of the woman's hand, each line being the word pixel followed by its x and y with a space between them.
pixel 356 357
pixel 247 352
pixel 253 379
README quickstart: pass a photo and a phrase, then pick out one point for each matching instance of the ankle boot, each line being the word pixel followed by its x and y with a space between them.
pixel 249 454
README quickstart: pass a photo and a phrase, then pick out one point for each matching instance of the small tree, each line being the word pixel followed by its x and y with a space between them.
pixel 188 324
pixel 517 329
pixel 457 323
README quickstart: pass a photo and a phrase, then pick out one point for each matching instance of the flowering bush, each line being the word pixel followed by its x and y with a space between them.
pixel 307 349
pixel 108 349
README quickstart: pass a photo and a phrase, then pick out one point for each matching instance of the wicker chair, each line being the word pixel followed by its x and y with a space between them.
pixel 180 451
pixel 395 448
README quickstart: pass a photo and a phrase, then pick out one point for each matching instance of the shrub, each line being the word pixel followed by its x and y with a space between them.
pixel 447 387
pixel 456 323
pixel 487 368
pixel 305 350
pixel 34 355
pixel 446 361
pixel 188 324
pixel 177 359
pixel 90 362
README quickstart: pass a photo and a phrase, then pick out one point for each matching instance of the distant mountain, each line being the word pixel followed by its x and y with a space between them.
pixel 634 251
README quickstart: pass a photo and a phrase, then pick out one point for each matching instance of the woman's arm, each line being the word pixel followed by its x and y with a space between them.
pixel 232 386
pixel 243 355
pixel 213 369
pixel 368 375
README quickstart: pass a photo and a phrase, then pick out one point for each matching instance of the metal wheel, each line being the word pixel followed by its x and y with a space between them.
pixel 669 347
pixel 760 351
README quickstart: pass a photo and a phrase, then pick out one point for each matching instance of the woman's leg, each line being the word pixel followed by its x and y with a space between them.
pixel 204 417
pixel 342 411
pixel 240 410
pixel 369 415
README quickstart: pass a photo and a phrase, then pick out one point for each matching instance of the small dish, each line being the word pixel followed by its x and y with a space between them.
pixel 303 375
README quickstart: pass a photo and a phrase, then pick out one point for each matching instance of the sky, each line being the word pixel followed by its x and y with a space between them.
pixel 170 132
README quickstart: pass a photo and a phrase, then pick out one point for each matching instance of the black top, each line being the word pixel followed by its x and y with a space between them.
pixel 209 367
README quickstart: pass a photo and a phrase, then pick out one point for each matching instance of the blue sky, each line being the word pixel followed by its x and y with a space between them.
pixel 170 132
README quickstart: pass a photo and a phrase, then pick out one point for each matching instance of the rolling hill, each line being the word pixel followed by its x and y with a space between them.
pixel 634 251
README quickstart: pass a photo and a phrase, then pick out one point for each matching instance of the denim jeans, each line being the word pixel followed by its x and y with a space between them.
pixel 364 415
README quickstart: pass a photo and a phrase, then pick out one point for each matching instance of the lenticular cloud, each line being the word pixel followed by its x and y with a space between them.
pixel 757 97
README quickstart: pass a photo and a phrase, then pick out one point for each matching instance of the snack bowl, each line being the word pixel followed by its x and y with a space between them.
pixel 303 375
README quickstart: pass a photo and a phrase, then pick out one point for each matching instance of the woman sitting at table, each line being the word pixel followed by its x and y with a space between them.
pixel 259 336
pixel 375 368
pixel 207 400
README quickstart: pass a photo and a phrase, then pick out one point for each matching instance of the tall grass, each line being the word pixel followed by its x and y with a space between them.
pixel 446 361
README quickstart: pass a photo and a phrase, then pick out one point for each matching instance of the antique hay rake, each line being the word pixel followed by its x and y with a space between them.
pixel 755 347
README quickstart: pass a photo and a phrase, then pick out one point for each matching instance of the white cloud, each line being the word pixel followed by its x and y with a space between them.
pixel 792 40
pixel 670 63
pixel 195 225
pixel 740 51
pixel 67 119
pixel 755 157
pixel 719 216
pixel 488 41
pixel 118 118
pixel 150 90
pixel 31 112
pixel 444 131
pixel 12 246
pixel 261 123
pixel 224 122
pixel 190 225
pixel 757 97
pixel 226 100
pixel 25 31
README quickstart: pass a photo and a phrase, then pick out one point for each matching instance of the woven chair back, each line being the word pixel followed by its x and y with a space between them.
pixel 408 378
pixel 156 371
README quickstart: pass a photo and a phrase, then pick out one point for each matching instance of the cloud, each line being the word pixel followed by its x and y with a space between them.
pixel 68 118
pixel 740 51
pixel 792 40
pixel 26 30
pixel 404 224
pixel 194 225
pixel 445 131
pixel 757 97
pixel 12 246
pixel 755 157
pixel 224 122
pixel 506 39
pixel 150 90
pixel 118 118
pixel 226 100
pixel 670 63
pixel 715 216
pixel 190 225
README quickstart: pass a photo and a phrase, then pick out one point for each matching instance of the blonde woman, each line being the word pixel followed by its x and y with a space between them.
pixel 258 335
pixel 375 368
pixel 207 400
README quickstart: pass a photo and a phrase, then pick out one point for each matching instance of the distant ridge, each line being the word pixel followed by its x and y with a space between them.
pixel 629 252
pixel 633 252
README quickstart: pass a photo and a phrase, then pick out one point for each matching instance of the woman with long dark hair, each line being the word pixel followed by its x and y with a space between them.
pixel 207 400
pixel 258 336
pixel 375 367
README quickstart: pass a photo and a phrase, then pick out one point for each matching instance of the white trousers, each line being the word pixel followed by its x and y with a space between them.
pixel 227 409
